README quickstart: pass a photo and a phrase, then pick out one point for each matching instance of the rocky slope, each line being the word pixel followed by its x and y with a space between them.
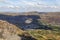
pixel 9 31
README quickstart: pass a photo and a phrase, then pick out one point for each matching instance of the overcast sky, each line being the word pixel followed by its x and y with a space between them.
pixel 29 5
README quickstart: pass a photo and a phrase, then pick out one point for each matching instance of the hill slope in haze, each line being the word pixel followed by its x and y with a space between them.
pixel 52 18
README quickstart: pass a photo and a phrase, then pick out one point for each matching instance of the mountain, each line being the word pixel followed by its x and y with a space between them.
pixel 30 26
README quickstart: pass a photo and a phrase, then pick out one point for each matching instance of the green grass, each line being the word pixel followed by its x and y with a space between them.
pixel 44 34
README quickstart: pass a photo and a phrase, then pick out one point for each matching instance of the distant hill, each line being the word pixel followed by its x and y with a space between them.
pixel 51 18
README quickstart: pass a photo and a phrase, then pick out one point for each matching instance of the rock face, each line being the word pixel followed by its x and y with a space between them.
pixel 9 31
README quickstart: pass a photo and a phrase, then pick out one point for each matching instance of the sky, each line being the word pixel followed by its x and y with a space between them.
pixel 29 5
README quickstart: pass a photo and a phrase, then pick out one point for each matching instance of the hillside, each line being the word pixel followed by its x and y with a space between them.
pixel 30 25
pixel 41 34
pixel 7 31
pixel 51 18
pixel 11 32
